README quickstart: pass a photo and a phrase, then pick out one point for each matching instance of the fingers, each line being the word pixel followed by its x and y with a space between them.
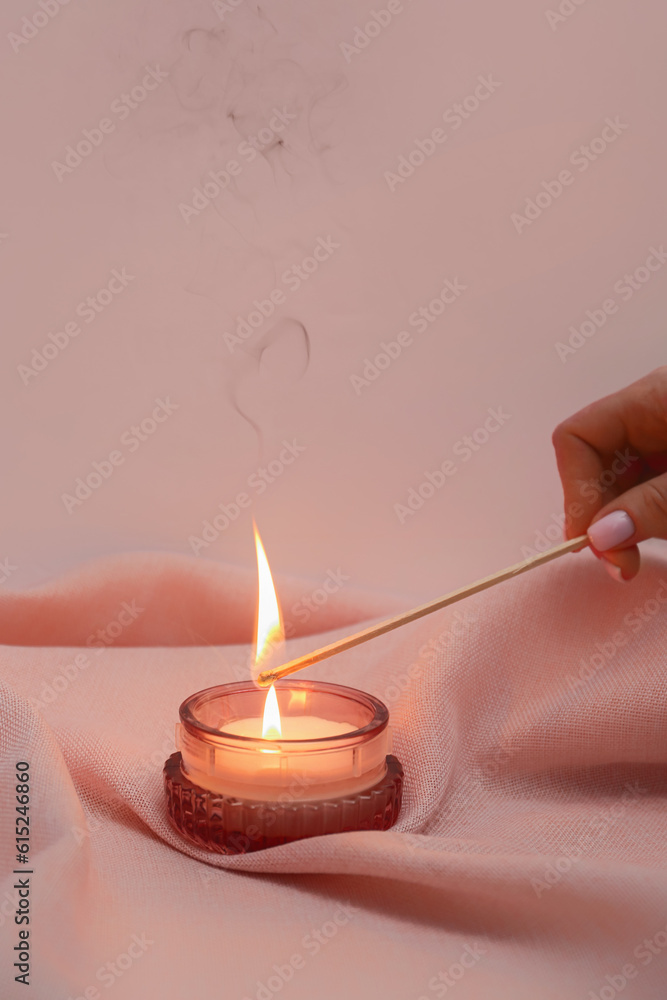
pixel 612 460
pixel 597 451
pixel 638 514
pixel 591 476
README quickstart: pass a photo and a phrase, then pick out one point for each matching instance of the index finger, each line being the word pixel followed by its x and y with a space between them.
pixel 599 449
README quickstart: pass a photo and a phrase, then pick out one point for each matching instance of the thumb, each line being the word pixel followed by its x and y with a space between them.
pixel 638 514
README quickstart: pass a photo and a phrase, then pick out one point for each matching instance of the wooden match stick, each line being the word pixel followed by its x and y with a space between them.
pixel 269 676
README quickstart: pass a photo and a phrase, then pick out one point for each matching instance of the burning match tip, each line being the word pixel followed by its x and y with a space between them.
pixel 266 678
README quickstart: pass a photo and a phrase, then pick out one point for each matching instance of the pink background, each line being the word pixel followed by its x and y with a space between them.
pixel 164 335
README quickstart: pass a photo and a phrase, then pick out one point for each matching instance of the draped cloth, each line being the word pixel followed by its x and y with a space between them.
pixel 529 857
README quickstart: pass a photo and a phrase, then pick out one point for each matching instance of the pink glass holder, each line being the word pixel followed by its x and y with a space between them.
pixel 235 794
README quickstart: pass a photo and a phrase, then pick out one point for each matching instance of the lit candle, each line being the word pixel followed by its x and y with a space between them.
pixel 334 741
pixel 254 769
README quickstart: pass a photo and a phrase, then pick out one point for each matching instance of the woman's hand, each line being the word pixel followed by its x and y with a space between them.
pixel 612 460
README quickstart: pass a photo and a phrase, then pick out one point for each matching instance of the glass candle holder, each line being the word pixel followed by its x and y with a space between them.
pixel 231 790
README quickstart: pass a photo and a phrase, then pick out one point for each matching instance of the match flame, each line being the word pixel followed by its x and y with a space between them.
pixel 271 729
pixel 269 633
pixel 269 636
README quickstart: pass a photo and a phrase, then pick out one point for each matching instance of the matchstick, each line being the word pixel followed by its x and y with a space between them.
pixel 269 676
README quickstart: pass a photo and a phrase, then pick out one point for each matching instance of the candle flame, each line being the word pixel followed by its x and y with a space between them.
pixel 271 729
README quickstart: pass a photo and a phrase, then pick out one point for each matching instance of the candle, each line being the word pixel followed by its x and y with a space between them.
pixel 331 769
pixel 326 740
pixel 256 769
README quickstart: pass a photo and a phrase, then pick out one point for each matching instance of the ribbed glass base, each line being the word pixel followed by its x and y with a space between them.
pixel 239 826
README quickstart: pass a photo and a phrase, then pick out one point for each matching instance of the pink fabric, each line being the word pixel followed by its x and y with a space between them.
pixel 528 861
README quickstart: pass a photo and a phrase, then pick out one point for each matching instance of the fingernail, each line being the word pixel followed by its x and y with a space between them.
pixel 612 530
pixel 614 571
